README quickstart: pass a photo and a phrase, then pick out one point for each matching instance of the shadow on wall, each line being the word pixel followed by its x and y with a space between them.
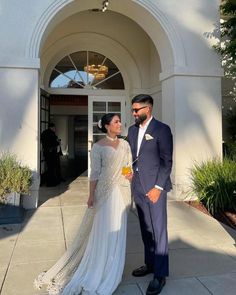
pixel 202 105
pixel 19 113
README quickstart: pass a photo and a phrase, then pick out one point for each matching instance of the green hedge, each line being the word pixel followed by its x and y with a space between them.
pixel 14 177
pixel 214 184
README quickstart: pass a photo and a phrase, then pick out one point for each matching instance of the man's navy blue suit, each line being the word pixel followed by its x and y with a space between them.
pixel 153 167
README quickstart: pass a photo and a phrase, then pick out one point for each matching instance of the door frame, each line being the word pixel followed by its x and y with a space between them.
pixel 44 123
pixel 104 98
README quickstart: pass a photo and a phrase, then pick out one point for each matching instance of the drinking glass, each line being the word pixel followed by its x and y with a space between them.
pixel 126 170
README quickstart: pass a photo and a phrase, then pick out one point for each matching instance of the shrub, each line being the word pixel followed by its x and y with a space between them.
pixel 14 177
pixel 214 184
pixel 230 150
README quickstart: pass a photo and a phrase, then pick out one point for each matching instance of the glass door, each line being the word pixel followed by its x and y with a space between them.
pixel 44 121
pixel 97 107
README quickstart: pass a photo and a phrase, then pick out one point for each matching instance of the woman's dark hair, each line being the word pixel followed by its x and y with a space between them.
pixel 143 98
pixel 105 120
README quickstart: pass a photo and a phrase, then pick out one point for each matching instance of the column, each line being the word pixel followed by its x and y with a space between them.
pixel 191 105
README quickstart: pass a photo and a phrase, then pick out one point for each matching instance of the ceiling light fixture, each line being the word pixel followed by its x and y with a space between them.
pixel 99 71
pixel 105 4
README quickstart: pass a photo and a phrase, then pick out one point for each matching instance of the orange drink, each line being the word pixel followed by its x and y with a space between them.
pixel 126 170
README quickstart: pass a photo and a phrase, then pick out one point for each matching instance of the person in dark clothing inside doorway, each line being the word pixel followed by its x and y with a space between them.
pixel 51 152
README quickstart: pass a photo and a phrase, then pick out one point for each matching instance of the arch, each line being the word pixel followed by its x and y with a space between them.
pixel 92 42
pixel 171 50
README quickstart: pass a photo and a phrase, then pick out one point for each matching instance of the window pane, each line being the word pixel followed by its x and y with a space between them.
pixel 97 117
pixel 79 59
pixel 99 106
pixel 44 126
pixel 43 115
pixel 47 104
pixel 96 130
pixel 114 107
pixel 42 102
pixel 86 71
pixel 113 82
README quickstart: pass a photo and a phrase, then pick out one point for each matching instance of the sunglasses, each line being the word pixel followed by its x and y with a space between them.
pixel 135 110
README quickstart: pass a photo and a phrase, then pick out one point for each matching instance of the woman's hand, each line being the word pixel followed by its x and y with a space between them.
pixel 129 176
pixel 90 202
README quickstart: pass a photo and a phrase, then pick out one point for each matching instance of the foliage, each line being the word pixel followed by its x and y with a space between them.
pixel 227 46
pixel 229 149
pixel 231 122
pixel 214 184
pixel 230 145
pixel 14 177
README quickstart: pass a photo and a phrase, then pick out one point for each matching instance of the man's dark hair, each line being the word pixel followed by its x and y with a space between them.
pixel 143 98
pixel 50 125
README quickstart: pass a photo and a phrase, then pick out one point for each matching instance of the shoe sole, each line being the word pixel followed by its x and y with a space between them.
pixel 141 275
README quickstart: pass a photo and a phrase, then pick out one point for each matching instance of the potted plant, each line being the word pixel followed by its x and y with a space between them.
pixel 15 180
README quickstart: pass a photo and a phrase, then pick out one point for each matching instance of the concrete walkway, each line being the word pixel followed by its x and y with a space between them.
pixel 202 251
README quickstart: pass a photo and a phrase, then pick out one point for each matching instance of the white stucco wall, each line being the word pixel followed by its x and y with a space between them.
pixel 195 118
pixel 19 113
pixel 197 19
pixel 19 119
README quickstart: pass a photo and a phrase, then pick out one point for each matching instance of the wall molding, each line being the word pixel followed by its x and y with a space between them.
pixel 16 62
pixel 35 40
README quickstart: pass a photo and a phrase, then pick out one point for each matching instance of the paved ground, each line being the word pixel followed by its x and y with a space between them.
pixel 202 251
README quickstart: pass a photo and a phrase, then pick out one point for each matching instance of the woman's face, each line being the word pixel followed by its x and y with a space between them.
pixel 115 125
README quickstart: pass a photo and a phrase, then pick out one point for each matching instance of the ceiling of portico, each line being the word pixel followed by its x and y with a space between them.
pixel 111 34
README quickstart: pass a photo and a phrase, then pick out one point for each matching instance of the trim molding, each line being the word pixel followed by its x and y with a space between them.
pixel 177 71
pixel 33 45
pixel 22 63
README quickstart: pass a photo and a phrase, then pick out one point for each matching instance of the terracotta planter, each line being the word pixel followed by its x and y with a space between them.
pixel 12 211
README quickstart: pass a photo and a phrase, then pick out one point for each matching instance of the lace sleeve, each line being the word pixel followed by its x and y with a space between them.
pixel 128 154
pixel 96 162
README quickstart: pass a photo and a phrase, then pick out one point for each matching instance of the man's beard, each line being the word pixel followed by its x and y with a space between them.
pixel 139 120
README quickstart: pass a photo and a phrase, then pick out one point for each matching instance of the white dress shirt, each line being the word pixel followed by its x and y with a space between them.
pixel 141 132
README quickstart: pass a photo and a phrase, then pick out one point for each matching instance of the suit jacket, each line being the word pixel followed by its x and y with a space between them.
pixel 154 161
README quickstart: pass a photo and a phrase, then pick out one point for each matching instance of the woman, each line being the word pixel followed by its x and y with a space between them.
pixel 94 263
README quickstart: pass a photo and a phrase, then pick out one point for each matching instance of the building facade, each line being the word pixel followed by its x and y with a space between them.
pixel 159 47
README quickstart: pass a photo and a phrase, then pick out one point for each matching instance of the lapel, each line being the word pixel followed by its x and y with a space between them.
pixel 148 131
pixel 135 143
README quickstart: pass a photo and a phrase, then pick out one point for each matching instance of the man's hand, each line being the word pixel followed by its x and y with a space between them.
pixel 154 194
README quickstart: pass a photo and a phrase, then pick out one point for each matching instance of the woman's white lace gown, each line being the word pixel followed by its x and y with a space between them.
pixel 95 262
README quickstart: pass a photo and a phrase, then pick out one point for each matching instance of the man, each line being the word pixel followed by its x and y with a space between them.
pixel 152 147
pixel 52 152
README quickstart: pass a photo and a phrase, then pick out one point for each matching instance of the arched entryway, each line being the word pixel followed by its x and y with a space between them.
pixel 133 53
pixel 75 104
pixel 147 48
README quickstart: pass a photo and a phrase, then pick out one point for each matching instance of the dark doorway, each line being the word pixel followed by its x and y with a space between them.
pixel 81 143
pixel 70 115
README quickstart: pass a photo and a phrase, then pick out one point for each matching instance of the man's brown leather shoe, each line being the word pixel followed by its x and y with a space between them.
pixel 142 271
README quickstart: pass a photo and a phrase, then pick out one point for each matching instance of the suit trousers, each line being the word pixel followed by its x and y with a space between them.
pixel 153 224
